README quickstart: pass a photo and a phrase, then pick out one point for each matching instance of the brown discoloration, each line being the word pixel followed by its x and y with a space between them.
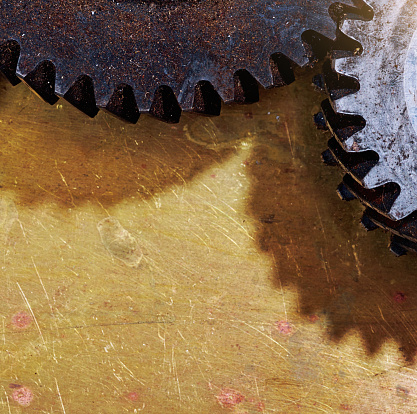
pixel 301 226
pixel 105 160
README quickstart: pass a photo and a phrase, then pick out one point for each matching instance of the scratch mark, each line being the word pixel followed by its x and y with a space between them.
pixel 4 332
pixel 7 400
pixel 31 311
pixel 257 389
pixel 283 300
pixel 382 315
pixel 357 262
pixel 65 182
pixel 289 138
pixel 130 372
pixel 321 223
pixel 60 397
pixel 266 336
pixel 52 194
pixel 231 219
pixel 175 372
pixel 209 189
pixel 101 205
pixel 23 231
pixel 41 282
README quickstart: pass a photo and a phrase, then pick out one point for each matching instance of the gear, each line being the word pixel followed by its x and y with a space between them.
pixel 132 56
pixel 372 113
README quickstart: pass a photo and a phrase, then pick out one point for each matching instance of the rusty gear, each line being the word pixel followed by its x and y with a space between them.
pixel 132 56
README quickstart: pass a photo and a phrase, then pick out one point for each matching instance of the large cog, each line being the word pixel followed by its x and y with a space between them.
pixel 146 45
pixel 387 99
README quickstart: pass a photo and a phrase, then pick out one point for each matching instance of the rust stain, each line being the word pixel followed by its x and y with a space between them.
pixel 284 328
pixel 229 398
pixel 22 320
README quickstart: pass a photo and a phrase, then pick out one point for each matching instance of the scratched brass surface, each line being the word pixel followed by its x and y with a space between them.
pixel 203 267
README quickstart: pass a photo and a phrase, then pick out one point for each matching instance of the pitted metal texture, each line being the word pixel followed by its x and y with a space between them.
pixel 387 98
pixel 146 45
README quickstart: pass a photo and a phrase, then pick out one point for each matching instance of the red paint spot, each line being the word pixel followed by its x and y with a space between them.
pixel 144 166
pixel 400 297
pixel 23 396
pixel 245 162
pixel 345 407
pixel 21 320
pixel 228 398
pixel 313 318
pixel 261 406
pixel 213 176
pixel 133 396
pixel 284 328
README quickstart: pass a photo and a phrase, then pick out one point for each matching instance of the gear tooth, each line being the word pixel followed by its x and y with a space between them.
pixel 357 164
pixel 336 85
pixel 346 66
pixel 344 193
pixel 9 57
pixel 380 199
pixel 328 158
pixel 320 121
pixel 282 69
pixel 206 99
pixel 318 82
pixel 351 11
pixel 403 206
pixel 342 126
pixel 396 246
pixel 345 46
pixel 377 176
pixel 81 95
pixel 317 45
pixel 263 74
pixel 358 142
pixel 42 81
pixel 123 104
pixel 246 87
pixel 165 105
pixel 349 104
pixel 367 223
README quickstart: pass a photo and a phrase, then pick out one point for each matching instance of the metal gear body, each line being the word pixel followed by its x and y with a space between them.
pixel 107 53
pixel 386 99
pixel 372 113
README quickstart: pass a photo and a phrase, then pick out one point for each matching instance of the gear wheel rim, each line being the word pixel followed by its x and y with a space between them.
pixel 217 65
pixel 388 131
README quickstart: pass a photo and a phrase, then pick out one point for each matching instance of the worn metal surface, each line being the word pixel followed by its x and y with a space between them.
pixel 149 44
pixel 201 267
pixel 386 99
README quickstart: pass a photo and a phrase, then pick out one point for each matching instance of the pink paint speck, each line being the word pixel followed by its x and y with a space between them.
pixel 400 297
pixel 284 328
pixel 133 396
pixel 228 398
pixel 21 320
pixel 23 396
pixel 261 406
